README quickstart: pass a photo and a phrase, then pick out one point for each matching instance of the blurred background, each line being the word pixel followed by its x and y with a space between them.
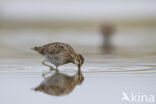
pixel 116 37
pixel 91 27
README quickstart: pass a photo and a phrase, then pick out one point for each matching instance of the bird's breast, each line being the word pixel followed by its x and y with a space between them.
pixel 56 59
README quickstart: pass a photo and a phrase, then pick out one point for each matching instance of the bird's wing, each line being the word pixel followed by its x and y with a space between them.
pixel 54 48
pixel 70 48
pixel 57 48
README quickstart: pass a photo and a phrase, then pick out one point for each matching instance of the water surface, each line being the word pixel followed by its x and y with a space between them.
pixel 106 77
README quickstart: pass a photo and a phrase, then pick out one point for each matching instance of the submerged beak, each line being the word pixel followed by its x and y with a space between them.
pixel 79 66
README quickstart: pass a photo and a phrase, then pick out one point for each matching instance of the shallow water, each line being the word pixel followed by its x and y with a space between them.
pixel 131 68
pixel 106 77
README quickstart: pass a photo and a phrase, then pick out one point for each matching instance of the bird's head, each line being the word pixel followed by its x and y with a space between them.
pixel 79 60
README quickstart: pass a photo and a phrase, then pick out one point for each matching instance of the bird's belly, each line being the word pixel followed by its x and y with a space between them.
pixel 55 59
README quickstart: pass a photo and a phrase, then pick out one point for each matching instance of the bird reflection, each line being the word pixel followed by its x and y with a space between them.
pixel 60 84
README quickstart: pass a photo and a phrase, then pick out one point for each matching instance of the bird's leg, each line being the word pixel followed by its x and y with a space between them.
pixel 43 75
pixel 51 68
pixel 56 67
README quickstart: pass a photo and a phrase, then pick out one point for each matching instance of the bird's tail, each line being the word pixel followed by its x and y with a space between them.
pixel 39 88
pixel 35 48
pixel 40 50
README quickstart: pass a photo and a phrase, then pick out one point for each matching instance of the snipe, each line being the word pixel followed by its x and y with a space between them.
pixel 59 54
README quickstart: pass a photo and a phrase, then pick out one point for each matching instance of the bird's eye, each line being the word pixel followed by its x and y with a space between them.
pixel 79 60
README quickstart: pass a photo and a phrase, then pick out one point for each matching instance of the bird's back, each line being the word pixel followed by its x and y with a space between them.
pixel 57 53
pixel 56 48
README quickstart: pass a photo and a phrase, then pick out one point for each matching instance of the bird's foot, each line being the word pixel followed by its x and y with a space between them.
pixel 45 73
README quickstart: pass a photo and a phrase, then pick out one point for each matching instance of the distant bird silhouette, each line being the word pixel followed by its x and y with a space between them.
pixel 107 32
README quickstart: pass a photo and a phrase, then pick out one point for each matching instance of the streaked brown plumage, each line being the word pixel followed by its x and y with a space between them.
pixel 59 53
pixel 60 84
